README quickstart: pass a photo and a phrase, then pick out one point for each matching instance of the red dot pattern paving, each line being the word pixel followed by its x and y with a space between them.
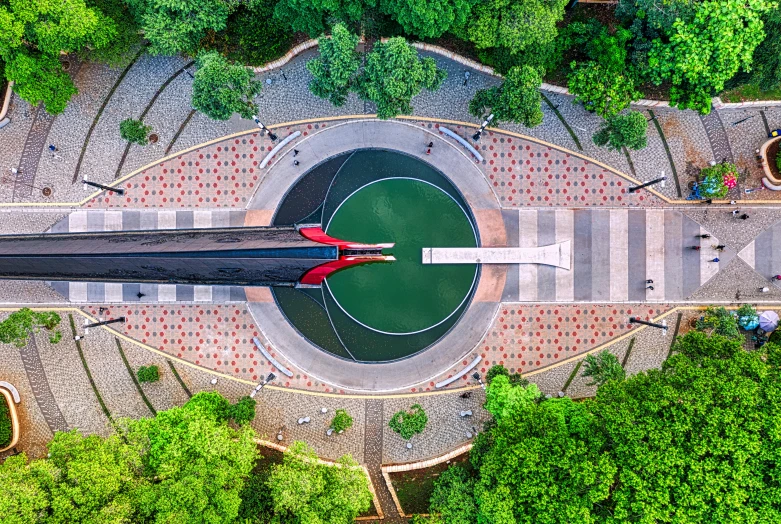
pixel 521 173
pixel 522 338
pixel 216 337
pixel 525 338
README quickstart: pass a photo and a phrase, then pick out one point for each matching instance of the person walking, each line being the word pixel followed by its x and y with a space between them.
pixel 776 277
pixel 744 216
pixel 764 289
pixel 735 212
pixel 649 287
pixel 702 236
pixel 296 162
pixel 649 281
pixel 696 248
pixel 715 259
pixel 720 247
pixel 430 145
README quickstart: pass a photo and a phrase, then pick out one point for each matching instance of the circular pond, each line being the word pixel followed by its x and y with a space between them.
pixel 381 311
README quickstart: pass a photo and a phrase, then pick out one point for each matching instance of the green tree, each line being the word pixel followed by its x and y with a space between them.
pixel 178 26
pixel 148 374
pixel 134 131
pixel 40 79
pixel 718 321
pixel 542 461
pixel 602 367
pixel 409 422
pixel 602 91
pixel 766 62
pixel 341 421
pixel 453 496
pixel 304 490
pixel 627 130
pixel 126 39
pixel 428 18
pixel 516 26
pixel 243 411
pixel 21 324
pixel 333 73
pixel 312 16
pixel 6 427
pixel 24 497
pixel 706 51
pixel 499 370
pixel 713 185
pixel 221 88
pixel 197 461
pixel 517 99
pixel 394 74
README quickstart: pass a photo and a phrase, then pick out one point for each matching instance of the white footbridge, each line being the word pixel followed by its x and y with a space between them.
pixel 558 255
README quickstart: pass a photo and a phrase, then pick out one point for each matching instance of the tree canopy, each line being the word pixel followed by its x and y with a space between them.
pixel 516 26
pixel 333 73
pixel 178 26
pixel 221 88
pixel 695 441
pixel 184 465
pixel 428 18
pixel 312 16
pixel 623 130
pixel 603 91
pixel 304 490
pixel 394 74
pixel 704 52
pixel 517 99
pixel 19 325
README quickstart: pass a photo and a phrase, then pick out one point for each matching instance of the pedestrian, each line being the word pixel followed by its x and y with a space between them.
pixel 732 203
pixel 776 277
pixel 649 281
pixel 296 162
pixel 14 171
pixel 53 148
pixel 715 259
pixel 720 247
pixel 744 216
pixel 295 152
pixel 428 151
pixel 430 144
pixel 709 201
pixel 649 287
pixel 140 295
pixel 764 289
pixel 696 248
pixel 735 212
pixel 702 236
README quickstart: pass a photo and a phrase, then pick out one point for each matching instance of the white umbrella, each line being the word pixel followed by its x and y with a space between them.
pixel 768 321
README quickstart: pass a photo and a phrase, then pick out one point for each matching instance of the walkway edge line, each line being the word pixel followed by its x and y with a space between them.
pixel 460 374
pixel 463 142
pixel 364 395
pixel 122 179
pixel 278 148
pixel 271 359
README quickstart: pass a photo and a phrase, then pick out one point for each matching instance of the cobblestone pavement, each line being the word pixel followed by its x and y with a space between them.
pixel 373 446
pixel 717 137
pixel 40 386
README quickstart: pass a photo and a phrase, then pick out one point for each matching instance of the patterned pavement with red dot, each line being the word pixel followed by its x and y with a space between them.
pixel 523 338
pixel 521 172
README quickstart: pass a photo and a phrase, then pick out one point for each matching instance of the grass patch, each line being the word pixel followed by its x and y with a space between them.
pixel 748 93
pixel 6 430
pixel 414 488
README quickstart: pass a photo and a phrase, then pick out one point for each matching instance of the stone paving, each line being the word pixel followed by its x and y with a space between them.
pixel 218 336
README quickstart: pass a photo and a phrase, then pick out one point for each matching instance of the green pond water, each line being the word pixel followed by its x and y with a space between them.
pixel 404 296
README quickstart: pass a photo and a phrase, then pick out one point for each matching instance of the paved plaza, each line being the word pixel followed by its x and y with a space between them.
pixel 633 253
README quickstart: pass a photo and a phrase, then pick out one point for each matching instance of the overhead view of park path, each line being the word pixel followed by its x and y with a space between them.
pixel 277 240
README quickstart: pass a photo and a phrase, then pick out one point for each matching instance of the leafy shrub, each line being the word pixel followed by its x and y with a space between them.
pixel 342 420
pixel 243 411
pixel 719 321
pixel 148 374
pixel 746 315
pixel 602 367
pixel 619 131
pixel 21 324
pixel 499 370
pixel 778 161
pixel 409 423
pixel 55 337
pixel 134 131
pixel 5 423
